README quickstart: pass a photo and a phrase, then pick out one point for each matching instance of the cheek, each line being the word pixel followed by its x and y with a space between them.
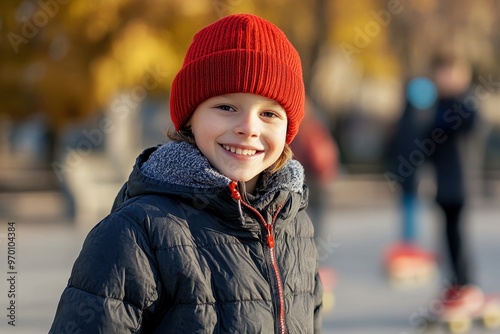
pixel 204 139
pixel 202 129
pixel 280 137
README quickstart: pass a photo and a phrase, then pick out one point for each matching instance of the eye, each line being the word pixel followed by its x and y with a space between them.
pixel 269 114
pixel 226 107
pixel 272 114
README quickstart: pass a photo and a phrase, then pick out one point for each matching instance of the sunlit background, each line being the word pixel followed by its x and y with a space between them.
pixel 84 88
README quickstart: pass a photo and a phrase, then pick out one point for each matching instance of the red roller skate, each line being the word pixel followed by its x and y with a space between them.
pixel 462 305
pixel 409 266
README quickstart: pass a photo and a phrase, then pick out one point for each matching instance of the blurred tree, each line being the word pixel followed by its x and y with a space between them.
pixel 360 29
pixel 67 59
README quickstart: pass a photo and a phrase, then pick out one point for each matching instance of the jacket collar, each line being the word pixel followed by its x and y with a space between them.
pixel 182 163
pixel 179 169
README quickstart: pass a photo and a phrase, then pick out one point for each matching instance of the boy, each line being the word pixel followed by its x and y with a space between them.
pixel 210 234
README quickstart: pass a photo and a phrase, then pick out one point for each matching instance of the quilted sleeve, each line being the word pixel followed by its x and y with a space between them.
pixel 113 282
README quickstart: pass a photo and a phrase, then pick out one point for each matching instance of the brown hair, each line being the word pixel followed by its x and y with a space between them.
pixel 187 136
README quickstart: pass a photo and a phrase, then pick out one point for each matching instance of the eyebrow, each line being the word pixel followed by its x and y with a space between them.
pixel 272 104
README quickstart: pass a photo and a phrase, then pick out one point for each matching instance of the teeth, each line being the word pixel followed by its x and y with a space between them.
pixel 239 151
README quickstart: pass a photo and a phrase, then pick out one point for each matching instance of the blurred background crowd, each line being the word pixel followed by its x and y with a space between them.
pixel 84 85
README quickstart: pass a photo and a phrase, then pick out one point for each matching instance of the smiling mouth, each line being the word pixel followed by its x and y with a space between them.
pixel 239 151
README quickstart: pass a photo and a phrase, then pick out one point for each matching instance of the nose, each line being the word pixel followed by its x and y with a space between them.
pixel 247 124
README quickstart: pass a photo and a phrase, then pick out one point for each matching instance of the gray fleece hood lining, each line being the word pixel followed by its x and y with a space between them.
pixel 182 163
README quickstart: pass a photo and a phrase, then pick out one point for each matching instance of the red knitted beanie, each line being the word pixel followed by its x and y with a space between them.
pixel 240 53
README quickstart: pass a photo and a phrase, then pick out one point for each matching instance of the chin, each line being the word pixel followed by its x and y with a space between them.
pixel 242 178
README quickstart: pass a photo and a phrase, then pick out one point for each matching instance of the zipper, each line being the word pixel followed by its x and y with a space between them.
pixel 233 187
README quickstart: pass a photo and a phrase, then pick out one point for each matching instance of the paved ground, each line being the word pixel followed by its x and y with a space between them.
pixel 47 246
pixel 366 303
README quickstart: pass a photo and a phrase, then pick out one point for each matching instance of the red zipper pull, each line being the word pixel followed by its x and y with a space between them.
pixel 270 236
pixel 233 187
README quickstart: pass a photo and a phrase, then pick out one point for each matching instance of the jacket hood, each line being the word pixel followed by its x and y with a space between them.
pixel 180 169
pixel 181 163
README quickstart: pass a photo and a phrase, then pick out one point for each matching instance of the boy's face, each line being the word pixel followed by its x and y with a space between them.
pixel 240 134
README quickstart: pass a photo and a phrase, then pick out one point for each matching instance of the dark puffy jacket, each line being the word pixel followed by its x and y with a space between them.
pixel 457 120
pixel 181 254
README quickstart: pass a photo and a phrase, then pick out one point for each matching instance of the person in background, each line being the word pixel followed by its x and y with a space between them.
pixel 315 148
pixel 407 262
pixel 456 119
